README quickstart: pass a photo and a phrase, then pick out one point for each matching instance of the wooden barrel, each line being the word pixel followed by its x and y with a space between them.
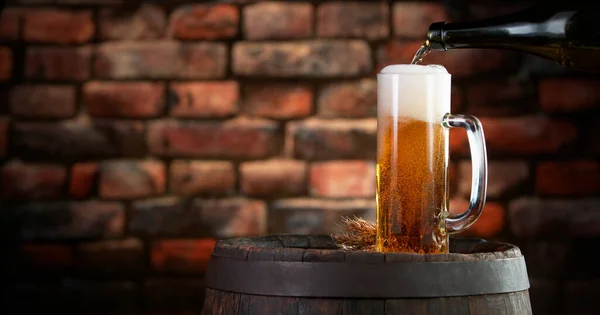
pixel 307 274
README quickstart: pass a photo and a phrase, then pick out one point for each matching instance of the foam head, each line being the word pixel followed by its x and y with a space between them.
pixel 420 92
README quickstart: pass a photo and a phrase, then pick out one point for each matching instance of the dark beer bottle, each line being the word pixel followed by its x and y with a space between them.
pixel 568 35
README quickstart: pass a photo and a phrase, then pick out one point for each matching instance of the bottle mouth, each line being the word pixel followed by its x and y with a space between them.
pixel 435 36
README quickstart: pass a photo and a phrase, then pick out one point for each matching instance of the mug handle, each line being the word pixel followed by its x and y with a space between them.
pixel 459 222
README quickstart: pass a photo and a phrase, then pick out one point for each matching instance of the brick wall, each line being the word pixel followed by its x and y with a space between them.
pixel 135 134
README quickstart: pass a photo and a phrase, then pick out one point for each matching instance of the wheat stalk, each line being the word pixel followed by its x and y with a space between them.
pixel 358 234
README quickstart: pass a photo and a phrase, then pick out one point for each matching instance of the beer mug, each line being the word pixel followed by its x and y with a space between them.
pixel 413 121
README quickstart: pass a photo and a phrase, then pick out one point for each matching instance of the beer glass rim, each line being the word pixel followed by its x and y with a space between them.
pixel 402 69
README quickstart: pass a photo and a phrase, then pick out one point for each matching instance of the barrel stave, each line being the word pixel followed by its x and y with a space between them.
pixel 363 306
pixel 264 305
pixel 516 303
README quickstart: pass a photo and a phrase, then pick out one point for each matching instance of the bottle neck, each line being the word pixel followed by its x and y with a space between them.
pixel 530 27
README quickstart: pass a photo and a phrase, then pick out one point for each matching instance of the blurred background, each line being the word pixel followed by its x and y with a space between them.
pixel 134 134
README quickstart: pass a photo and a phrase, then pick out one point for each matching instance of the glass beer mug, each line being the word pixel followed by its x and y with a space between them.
pixel 413 121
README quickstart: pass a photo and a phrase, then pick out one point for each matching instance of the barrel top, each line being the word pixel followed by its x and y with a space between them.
pixel 312 265
pixel 320 247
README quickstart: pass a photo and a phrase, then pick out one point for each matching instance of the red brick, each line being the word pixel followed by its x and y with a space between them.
pixel 500 98
pixel 113 256
pixel 31 181
pixel 46 256
pixel 131 179
pixel 161 60
pixel 458 141
pixel 574 178
pixel 10 21
pixel 175 296
pixel 353 99
pixel 58 63
pixel 531 217
pixel 503 177
pixel 204 99
pixel 204 21
pixel 57 26
pixel 4 100
pixel 278 20
pixel 278 101
pixel 568 95
pixel 490 223
pixel 181 256
pixel 162 217
pixel 593 134
pixel 302 59
pixel 43 101
pixel 412 19
pixel 457 98
pixel 65 220
pixel 520 135
pixel 315 139
pixel 78 140
pixel 239 138
pixel 353 19
pixel 273 178
pixel 6 63
pixel 316 216
pixel 148 21
pixel 4 131
pixel 345 179
pixel 83 180
pixel 492 9
pixel 452 178
pixel 211 178
pixel 458 62
pixel 124 99
pixel 233 217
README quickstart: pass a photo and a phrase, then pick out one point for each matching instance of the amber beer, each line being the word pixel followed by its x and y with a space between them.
pixel 412 160
pixel 411 186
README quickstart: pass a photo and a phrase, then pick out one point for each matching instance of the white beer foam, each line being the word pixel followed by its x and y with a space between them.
pixel 421 92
